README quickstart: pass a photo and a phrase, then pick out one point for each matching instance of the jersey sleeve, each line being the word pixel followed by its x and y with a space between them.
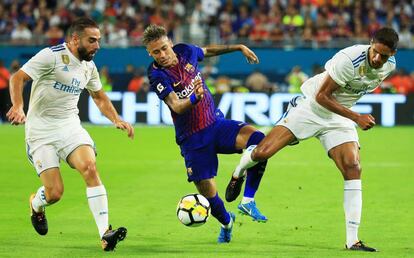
pixel 160 85
pixel 340 68
pixel 94 83
pixel 42 63
pixel 199 52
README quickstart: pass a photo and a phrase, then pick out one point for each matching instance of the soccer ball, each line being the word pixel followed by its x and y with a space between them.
pixel 193 210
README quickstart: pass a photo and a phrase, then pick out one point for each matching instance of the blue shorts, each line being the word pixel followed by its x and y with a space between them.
pixel 200 149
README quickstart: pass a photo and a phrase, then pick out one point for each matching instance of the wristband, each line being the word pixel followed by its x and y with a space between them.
pixel 193 99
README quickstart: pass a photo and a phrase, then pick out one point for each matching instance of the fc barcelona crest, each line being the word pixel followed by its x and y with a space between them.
pixel 189 68
pixel 65 59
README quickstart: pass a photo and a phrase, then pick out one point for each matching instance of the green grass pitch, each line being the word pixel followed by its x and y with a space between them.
pixel 301 193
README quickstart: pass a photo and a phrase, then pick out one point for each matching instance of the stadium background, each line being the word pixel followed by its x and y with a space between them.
pixel 301 191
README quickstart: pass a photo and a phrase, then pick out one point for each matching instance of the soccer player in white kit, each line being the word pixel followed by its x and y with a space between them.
pixel 53 129
pixel 324 112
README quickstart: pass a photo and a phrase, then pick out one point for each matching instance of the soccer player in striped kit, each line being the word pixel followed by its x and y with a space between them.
pixel 201 130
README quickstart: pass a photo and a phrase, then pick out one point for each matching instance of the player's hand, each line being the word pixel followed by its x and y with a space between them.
pixel 365 121
pixel 198 89
pixel 124 126
pixel 16 115
pixel 250 55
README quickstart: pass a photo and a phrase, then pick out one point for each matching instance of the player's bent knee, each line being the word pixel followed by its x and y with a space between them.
pixel 352 170
pixel 88 166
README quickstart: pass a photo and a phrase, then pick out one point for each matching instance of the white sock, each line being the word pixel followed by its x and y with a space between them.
pixel 39 202
pixel 98 204
pixel 353 208
pixel 247 200
pixel 245 162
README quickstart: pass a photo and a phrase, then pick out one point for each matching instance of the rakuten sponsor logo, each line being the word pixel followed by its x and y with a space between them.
pixel 189 88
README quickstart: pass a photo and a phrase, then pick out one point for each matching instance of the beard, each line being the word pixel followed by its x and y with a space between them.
pixel 84 54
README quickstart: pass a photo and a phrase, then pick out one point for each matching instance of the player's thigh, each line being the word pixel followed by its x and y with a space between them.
pixel 77 147
pixel 42 156
pixel 81 158
pixel 243 136
pixel 226 134
pixel 274 141
pixel 346 158
pixel 200 163
pixel 337 131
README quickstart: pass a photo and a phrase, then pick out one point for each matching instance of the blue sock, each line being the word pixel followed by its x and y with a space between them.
pixel 255 138
pixel 218 210
pixel 254 174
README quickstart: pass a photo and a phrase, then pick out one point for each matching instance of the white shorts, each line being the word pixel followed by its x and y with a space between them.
pixel 46 153
pixel 305 118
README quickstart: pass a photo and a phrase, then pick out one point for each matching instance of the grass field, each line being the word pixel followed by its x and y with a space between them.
pixel 301 193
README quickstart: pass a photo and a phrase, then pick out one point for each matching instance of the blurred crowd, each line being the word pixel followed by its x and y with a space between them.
pixel 275 23
pixel 134 79
pixel 278 23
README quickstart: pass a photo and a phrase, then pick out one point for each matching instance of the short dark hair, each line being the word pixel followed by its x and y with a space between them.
pixel 79 25
pixel 153 32
pixel 386 36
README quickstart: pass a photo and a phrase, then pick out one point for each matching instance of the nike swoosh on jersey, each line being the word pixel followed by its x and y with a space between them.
pixel 175 84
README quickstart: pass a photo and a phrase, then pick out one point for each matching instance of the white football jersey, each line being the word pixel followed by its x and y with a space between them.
pixel 350 69
pixel 58 79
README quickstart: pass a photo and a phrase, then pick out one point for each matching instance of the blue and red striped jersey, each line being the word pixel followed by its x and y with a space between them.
pixel 179 79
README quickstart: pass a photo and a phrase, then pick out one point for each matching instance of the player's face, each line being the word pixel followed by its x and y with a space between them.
pixel 379 54
pixel 89 44
pixel 162 52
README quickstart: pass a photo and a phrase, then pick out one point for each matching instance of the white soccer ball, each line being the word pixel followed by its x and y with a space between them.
pixel 193 210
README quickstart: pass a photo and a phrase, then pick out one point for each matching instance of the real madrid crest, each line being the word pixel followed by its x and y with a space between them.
pixel 65 59
pixel 362 70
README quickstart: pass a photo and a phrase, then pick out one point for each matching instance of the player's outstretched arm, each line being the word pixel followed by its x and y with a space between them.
pixel 16 114
pixel 181 106
pixel 325 98
pixel 215 50
pixel 105 106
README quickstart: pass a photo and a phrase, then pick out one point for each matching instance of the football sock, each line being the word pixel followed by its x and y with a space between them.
pixel 353 208
pixel 255 138
pixel 219 211
pixel 246 200
pixel 39 202
pixel 245 162
pixel 255 173
pixel 98 204
pixel 254 176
